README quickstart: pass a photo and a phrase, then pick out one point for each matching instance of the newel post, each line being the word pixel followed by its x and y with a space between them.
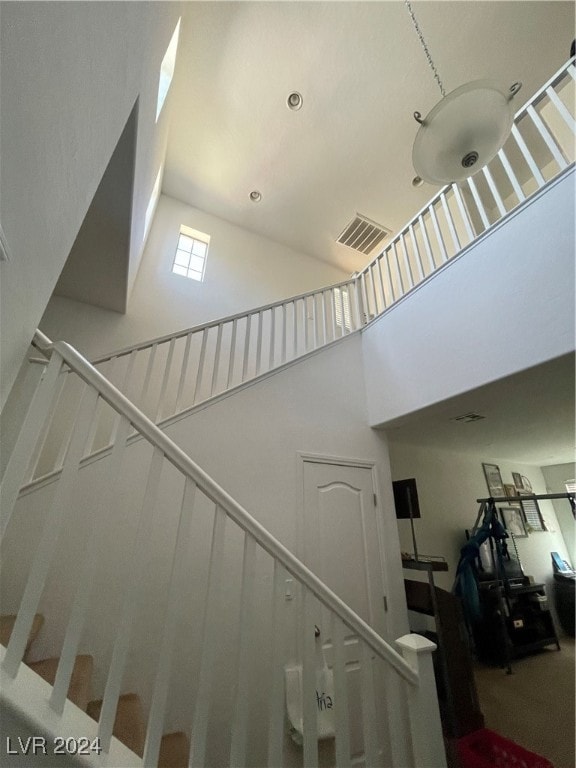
pixel 424 713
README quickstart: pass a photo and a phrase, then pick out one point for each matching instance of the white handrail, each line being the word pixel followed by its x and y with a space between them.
pixel 235 511
pixel 220 321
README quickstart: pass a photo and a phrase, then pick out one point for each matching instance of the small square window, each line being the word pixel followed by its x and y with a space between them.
pixel 191 253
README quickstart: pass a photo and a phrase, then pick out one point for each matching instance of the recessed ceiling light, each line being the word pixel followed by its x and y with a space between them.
pixel 417 181
pixel 294 101
pixel 255 196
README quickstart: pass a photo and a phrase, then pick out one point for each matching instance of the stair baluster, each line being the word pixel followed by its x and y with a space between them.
pixel 176 599
pixel 138 559
pixel 61 502
pixel 242 695
pixel 307 640
pixel 96 536
pixel 32 430
pixel 340 695
pixel 276 699
pixel 199 733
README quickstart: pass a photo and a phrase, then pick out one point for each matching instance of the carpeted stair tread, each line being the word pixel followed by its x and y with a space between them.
pixel 129 725
pixel 7 625
pixel 174 751
pixel 79 691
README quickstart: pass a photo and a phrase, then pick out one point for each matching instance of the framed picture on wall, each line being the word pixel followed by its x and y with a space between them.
pixel 511 491
pixel 513 521
pixel 517 477
pixel 493 480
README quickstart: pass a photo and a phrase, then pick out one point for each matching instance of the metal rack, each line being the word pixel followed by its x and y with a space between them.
pixel 510 598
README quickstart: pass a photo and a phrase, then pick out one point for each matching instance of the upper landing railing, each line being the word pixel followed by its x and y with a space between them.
pixel 540 147
pixel 169 375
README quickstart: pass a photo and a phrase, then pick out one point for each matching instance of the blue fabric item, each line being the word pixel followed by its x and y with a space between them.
pixel 466 583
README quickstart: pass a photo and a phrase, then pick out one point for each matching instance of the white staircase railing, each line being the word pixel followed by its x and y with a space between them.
pixel 169 375
pixel 86 510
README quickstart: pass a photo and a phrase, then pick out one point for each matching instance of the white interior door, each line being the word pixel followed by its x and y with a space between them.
pixel 342 546
pixel 341 537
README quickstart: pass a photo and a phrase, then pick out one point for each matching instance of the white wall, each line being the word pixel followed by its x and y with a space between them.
pixel 448 485
pixel 243 271
pixel 248 442
pixel 556 477
pixel 71 73
pixel 505 305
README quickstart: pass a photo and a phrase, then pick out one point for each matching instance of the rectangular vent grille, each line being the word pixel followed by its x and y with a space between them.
pixel 363 235
pixel 467 417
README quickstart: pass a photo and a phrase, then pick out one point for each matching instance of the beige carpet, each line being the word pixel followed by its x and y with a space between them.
pixel 534 706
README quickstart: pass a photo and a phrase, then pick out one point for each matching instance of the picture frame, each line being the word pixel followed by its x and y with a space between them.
pixel 517 478
pixel 511 491
pixel 513 521
pixel 493 479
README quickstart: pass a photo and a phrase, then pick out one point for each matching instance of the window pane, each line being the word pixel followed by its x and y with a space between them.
pixel 182 258
pixel 179 270
pixel 185 243
pixel 194 275
pixel 196 263
pixel 199 248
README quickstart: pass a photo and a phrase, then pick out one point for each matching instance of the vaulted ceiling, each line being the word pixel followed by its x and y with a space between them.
pixel 362 73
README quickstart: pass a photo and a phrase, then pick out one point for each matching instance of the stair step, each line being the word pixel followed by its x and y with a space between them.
pixel 79 691
pixel 129 725
pixel 7 625
pixel 174 751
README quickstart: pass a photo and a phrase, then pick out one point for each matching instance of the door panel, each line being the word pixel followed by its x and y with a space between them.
pixel 341 545
pixel 341 542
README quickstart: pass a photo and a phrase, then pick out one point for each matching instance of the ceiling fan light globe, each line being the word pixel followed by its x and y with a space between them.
pixel 462 133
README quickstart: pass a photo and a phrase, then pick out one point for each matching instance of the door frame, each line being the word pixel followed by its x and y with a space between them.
pixel 304 457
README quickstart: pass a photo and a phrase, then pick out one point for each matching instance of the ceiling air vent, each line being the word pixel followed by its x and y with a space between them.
pixel 467 417
pixel 363 235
